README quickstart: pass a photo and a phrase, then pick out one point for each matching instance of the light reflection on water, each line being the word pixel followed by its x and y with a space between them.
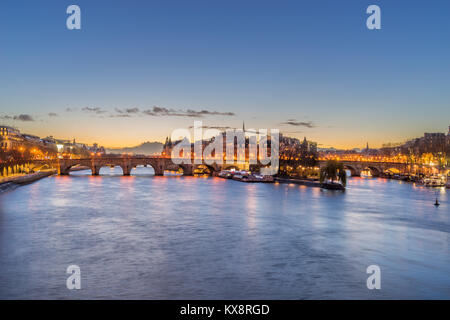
pixel 194 238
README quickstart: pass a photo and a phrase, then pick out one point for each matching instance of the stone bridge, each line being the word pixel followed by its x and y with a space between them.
pixel 126 163
pixel 159 164
pixel 376 168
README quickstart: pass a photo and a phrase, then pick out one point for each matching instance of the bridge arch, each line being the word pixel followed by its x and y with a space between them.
pixel 374 171
pixel 179 171
pixel 353 171
pixel 231 167
pixel 109 170
pixel 144 170
pixel 203 169
pixel 65 166
pixel 392 170
pixel 75 169
pixel 40 166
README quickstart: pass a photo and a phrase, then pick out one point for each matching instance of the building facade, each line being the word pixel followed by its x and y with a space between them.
pixel 10 138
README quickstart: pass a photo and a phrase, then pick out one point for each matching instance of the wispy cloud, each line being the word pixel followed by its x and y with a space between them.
pixel 162 111
pixel 52 114
pixel 295 123
pixel 127 111
pixel 208 113
pixel 23 117
pixel 120 115
pixel 95 110
pixel 220 128
pixel 20 117
pixel 155 111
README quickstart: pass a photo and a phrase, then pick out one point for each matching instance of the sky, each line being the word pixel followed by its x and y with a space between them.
pixel 137 70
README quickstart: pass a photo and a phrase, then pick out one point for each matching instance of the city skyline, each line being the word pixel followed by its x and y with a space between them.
pixel 136 73
pixel 222 129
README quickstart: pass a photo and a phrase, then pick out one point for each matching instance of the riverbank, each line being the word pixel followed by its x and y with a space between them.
pixel 12 182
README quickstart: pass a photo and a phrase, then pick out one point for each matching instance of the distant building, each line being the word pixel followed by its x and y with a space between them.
pixel 369 152
pixel 31 138
pixel 11 138
pixel 438 136
pixel 167 147
pixel 96 149
pixel 435 143
pixel 49 141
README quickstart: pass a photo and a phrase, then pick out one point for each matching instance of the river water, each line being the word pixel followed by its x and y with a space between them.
pixel 144 237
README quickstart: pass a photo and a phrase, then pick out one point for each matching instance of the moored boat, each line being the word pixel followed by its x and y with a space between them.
pixel 257 178
pixel 225 174
pixel 433 182
pixel 332 186
pixel 245 176
pixel 238 177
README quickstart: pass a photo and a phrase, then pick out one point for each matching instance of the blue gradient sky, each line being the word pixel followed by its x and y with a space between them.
pixel 265 61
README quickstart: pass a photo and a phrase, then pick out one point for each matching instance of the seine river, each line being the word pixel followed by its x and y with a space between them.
pixel 144 237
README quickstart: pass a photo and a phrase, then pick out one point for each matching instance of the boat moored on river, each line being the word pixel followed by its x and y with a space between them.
pixel 226 174
pixel 332 185
pixel 434 182
pixel 257 178
pixel 245 176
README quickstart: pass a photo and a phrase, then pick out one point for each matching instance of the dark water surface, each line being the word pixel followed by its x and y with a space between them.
pixel 197 238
